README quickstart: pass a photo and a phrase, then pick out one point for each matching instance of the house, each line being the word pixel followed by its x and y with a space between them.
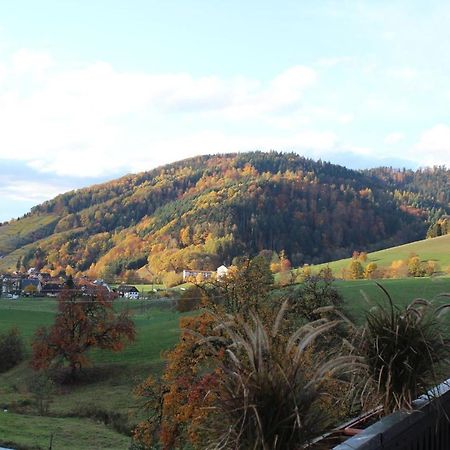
pixel 127 291
pixel 11 285
pixel 31 286
pixel 32 271
pixel 52 288
pixel 221 272
pixel 44 276
pixel 102 284
pixel 193 274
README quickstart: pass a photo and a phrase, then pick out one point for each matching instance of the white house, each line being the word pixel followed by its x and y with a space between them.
pixel 222 271
pixel 190 274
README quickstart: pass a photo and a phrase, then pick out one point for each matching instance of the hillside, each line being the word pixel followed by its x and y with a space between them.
pixel 201 212
pixel 436 249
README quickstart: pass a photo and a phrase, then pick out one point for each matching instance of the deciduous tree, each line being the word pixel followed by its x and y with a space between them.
pixel 82 323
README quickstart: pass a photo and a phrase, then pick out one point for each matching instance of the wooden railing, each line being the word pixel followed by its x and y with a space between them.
pixel 426 428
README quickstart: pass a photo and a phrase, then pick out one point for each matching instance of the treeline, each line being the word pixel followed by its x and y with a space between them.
pixel 413 266
pixel 424 191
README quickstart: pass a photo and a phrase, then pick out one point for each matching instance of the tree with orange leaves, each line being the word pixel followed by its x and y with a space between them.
pixel 182 402
pixel 82 322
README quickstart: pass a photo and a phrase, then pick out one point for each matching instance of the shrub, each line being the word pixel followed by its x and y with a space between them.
pixel 317 291
pixel 431 268
pixel 241 381
pixel 271 387
pixel 403 351
pixel 355 270
pixel 171 279
pixel 415 267
pixel 398 269
pixel 41 387
pixel 370 271
pixel 190 299
pixel 11 349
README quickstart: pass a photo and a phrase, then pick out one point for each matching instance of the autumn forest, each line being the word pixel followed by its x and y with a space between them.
pixel 202 212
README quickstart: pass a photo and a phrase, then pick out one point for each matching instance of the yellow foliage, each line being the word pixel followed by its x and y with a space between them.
pixel 398 269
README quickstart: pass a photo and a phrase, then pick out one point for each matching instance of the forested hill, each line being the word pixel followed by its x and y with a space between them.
pixel 202 212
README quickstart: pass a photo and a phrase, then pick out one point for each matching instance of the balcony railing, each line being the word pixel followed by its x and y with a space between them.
pixel 427 428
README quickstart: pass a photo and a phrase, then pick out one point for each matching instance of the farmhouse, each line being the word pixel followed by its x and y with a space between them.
pixel 31 286
pixel 222 271
pixel 52 289
pixel 193 274
pixel 128 291
pixel 11 285
pixel 103 284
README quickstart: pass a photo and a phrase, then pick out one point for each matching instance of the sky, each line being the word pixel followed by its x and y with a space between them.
pixel 94 89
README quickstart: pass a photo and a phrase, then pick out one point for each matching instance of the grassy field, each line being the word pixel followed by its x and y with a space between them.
pixel 361 295
pixel 436 249
pixel 15 233
pixel 35 432
pixel 107 387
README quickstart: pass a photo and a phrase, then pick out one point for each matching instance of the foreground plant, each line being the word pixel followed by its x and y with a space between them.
pixel 404 351
pixel 271 394
pixel 234 381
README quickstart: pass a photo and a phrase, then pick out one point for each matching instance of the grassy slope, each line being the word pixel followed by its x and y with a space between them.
pixel 69 433
pixel 110 385
pixel 361 295
pixel 8 262
pixel 436 249
pixel 116 374
pixel 15 232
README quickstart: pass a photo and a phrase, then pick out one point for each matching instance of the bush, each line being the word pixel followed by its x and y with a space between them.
pixel 355 270
pixel 317 291
pixel 272 388
pixel 190 299
pixel 404 351
pixel 11 349
pixel 171 279
pixel 41 387
pixel 244 382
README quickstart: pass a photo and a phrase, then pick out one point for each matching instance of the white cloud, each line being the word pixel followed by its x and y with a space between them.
pixel 345 118
pixel 24 190
pixel 388 35
pixel 393 138
pixel 433 147
pixel 31 62
pixel 327 63
pixel 403 73
pixel 309 143
pixel 94 120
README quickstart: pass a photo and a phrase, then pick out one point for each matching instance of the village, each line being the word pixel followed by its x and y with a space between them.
pixel 35 283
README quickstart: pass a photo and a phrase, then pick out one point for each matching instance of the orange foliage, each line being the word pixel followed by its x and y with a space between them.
pixel 186 389
pixel 82 322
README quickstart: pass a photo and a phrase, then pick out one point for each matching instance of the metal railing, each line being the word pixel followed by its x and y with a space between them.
pixel 427 428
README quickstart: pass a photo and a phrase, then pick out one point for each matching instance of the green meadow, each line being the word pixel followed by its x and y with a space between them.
pixel 107 388
pixel 361 295
pixel 436 249
pixel 18 232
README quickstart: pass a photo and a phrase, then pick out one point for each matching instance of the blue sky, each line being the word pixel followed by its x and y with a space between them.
pixel 91 90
